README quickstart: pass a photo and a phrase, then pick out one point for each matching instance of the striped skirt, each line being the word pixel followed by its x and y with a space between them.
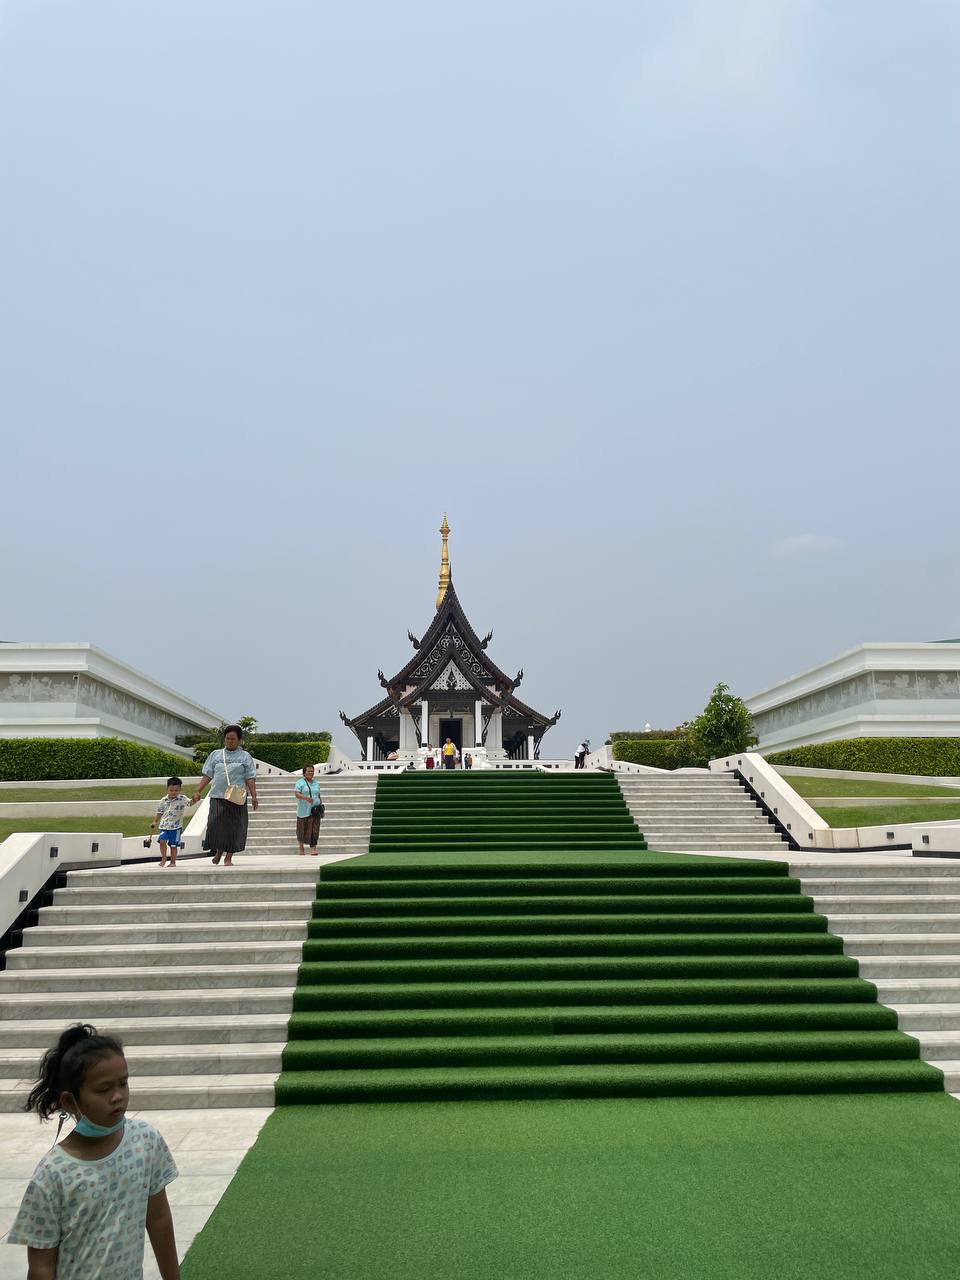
pixel 226 827
pixel 308 830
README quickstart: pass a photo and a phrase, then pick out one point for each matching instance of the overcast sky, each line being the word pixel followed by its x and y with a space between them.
pixel 659 300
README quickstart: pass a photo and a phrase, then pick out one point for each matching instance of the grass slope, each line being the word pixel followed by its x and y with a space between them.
pixel 823 787
pixel 126 824
pixel 56 795
pixel 887 815
pixel 793 1188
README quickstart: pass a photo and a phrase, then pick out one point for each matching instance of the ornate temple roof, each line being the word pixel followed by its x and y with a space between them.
pixel 451 657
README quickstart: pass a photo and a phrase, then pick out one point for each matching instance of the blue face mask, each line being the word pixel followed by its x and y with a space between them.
pixel 87 1129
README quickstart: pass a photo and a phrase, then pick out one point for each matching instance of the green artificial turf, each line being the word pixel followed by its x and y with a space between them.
pixel 887 815
pixel 443 971
pixel 823 787
pixel 126 824
pixel 759 1188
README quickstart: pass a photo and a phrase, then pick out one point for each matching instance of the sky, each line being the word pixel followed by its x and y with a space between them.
pixel 657 300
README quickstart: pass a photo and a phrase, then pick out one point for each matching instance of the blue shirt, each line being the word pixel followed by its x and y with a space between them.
pixel 241 767
pixel 308 794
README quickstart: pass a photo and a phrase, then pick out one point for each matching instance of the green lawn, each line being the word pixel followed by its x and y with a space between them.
pixel 54 795
pixel 796 1188
pixel 127 824
pixel 805 786
pixel 883 815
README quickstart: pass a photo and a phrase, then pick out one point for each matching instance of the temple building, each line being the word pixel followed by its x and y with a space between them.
pixel 450 688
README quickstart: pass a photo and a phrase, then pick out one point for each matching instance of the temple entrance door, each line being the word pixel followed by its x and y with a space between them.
pixel 452 729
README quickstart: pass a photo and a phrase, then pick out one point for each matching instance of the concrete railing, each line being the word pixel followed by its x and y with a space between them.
pixel 802 822
pixel 29 858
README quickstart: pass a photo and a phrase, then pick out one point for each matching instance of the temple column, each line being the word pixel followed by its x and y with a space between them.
pixel 424 722
pixel 495 733
pixel 529 746
pixel 408 731
pixel 478 724
pixel 369 746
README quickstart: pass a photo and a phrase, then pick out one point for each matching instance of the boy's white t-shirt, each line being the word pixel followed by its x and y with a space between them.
pixel 95 1211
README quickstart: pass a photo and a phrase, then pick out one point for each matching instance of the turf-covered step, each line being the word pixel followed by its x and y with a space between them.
pixel 512 1050
pixel 509 841
pixel 642 868
pixel 620 904
pixel 555 968
pixel 484 923
pixel 403 1084
pixel 567 944
pixel 456 886
pixel 597 991
pixel 589 1019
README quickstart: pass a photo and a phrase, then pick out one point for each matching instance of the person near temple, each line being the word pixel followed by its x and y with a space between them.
pixel 450 754
pixel 581 754
pixel 468 760
pixel 234 778
pixel 309 810
pixel 429 761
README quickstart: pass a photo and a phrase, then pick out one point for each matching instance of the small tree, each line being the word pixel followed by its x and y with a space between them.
pixel 725 725
pixel 248 724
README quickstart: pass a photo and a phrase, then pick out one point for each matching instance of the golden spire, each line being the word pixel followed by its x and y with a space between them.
pixel 444 562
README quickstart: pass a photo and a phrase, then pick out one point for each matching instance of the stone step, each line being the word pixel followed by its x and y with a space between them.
pixel 901 944
pixel 178 932
pixel 270 1028
pixel 172 914
pixel 199 872
pixel 332 846
pixel 876 904
pixel 887 867
pixel 146 978
pixel 169 1093
pixel 917 990
pixel 951 1073
pixel 881 885
pixel 97 1004
pixel 938 1044
pixel 164 1060
pixel 174 893
pixel 905 924
pixel 910 966
pixel 928 1017
pixel 749 844
pixel 166 955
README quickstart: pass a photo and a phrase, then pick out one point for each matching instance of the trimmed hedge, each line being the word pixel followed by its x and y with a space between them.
pixel 284 735
pixel 647 735
pixel 59 759
pixel 285 755
pixel 661 753
pixel 929 757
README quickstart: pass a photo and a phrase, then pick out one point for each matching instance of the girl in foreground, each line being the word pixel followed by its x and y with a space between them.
pixel 83 1215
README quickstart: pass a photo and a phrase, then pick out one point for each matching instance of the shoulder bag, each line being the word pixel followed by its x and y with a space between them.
pixel 235 794
pixel 316 810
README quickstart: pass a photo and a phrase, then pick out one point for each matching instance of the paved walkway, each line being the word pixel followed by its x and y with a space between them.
pixel 207 1146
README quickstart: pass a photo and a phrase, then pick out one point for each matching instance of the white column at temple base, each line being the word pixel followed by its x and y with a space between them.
pixel 369 746
pixel 478 724
pixel 408 732
pixel 424 722
pixel 495 735
pixel 529 746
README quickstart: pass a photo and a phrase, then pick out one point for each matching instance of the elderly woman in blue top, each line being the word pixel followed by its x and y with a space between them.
pixel 227 823
pixel 308 798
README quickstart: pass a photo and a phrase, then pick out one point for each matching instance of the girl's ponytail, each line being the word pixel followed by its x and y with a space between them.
pixel 63 1067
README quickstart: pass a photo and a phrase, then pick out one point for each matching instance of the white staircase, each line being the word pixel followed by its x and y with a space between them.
pixel 193 968
pixel 698 812
pixel 347 799
pixel 901 920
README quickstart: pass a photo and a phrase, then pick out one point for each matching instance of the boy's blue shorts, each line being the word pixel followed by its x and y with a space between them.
pixel 171 837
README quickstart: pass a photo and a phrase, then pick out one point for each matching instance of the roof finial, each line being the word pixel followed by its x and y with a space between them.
pixel 444 562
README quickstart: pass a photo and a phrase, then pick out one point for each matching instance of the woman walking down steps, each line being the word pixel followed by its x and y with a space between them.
pixel 309 810
pixel 231 770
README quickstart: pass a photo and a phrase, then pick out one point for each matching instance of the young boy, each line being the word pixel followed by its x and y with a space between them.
pixel 169 819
